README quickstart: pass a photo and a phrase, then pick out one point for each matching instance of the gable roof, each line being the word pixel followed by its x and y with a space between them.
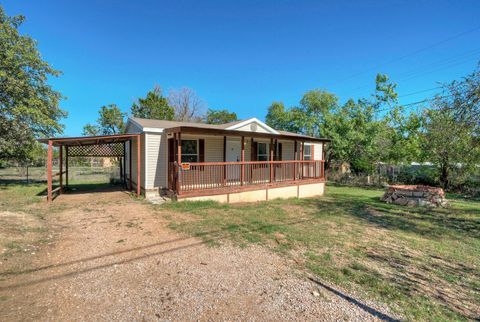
pixel 151 125
pixel 252 120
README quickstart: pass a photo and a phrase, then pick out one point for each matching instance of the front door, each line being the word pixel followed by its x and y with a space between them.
pixel 233 154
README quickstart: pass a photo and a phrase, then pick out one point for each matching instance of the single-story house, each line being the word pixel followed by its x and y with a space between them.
pixel 239 161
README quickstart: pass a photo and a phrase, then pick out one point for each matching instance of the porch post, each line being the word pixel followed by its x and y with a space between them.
pixel 323 158
pixel 66 166
pixel 139 140
pixel 49 171
pixel 121 166
pixel 179 162
pixel 224 160
pixel 130 163
pixel 179 148
pixel 242 174
pixel 60 165
pixel 275 158
pixel 295 158
pixel 302 156
pixel 271 159
pixel 125 163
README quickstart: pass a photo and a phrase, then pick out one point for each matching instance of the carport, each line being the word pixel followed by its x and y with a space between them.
pixel 114 146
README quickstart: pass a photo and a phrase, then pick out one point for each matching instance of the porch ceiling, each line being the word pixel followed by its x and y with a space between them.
pixel 222 132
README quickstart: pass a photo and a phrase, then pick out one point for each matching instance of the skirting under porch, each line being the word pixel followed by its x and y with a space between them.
pixel 260 193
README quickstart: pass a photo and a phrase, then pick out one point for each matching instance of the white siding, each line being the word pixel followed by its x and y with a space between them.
pixel 288 150
pixel 317 151
pixel 134 161
pixel 156 161
pixel 213 148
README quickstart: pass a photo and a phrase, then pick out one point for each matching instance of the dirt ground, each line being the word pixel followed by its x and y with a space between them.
pixel 110 257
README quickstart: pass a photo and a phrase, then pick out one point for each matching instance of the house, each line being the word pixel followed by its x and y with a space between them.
pixel 240 161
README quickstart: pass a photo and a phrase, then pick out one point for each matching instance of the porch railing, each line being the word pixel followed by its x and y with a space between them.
pixel 232 175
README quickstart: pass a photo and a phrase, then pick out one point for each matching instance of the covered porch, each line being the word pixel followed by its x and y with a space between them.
pixel 249 161
pixel 107 146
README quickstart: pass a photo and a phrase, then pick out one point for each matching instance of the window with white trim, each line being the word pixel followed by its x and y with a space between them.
pixel 307 153
pixel 262 151
pixel 189 151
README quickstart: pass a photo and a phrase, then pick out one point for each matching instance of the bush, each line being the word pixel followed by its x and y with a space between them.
pixel 421 174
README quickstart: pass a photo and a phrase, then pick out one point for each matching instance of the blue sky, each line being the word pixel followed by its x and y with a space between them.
pixel 242 55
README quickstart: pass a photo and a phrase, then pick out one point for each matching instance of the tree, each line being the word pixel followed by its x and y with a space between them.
pixel 29 107
pixel 464 99
pixel 153 106
pixel 448 143
pixel 220 116
pixel 278 117
pixel 111 120
pixel 359 136
pixel 187 105
pixel 91 130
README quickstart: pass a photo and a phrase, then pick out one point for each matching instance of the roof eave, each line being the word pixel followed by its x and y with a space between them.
pixel 198 130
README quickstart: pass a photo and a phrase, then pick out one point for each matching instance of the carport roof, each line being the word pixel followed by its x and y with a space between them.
pixel 89 140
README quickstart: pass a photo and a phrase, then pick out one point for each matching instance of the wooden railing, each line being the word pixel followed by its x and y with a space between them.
pixel 233 175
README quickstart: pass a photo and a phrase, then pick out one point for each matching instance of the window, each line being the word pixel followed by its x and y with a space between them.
pixel 307 154
pixel 262 151
pixel 189 151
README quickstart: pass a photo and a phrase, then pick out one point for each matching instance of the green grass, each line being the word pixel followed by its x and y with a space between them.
pixel 424 262
pixel 15 197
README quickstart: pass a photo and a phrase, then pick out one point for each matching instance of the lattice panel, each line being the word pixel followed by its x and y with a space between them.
pixel 97 150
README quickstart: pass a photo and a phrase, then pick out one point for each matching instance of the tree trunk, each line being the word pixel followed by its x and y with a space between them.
pixel 444 175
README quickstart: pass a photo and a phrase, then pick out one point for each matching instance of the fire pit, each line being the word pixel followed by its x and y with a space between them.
pixel 415 195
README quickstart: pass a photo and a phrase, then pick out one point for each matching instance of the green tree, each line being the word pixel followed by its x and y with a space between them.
pixel 399 138
pixel 29 107
pixel 220 116
pixel 111 120
pixel 359 136
pixel 153 106
pixel 91 130
pixel 464 98
pixel 278 117
pixel 451 145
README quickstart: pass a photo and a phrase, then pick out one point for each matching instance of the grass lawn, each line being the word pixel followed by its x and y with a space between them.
pixel 424 263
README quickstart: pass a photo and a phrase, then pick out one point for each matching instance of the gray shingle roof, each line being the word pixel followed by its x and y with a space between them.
pixel 164 124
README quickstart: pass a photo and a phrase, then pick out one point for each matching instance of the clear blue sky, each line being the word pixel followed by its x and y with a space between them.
pixel 243 55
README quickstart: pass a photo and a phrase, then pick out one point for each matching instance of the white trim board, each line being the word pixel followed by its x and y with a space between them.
pixel 252 120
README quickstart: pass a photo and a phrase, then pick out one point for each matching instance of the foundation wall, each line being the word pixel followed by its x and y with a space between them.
pixel 299 191
pixel 284 192
pixel 311 190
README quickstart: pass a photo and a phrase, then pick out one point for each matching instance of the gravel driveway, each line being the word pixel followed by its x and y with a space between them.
pixel 113 258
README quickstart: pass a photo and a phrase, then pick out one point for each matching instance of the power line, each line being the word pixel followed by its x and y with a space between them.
pixel 415 103
pixel 413 53
pixel 418 92
pixel 447 63
pixel 441 62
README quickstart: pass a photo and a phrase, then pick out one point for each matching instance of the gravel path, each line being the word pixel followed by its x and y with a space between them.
pixel 114 259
